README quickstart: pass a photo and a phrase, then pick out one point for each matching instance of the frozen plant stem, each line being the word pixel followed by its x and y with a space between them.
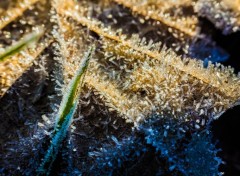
pixel 65 115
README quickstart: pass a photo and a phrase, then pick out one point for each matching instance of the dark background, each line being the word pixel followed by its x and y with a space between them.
pixel 226 129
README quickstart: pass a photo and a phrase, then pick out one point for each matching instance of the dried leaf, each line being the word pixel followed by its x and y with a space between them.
pixel 175 14
pixel 14 12
pixel 173 85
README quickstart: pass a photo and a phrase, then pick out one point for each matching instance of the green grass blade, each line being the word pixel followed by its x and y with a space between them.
pixel 73 90
pixel 51 154
pixel 18 46
pixel 65 115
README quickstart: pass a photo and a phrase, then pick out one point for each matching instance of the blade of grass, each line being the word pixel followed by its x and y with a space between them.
pixel 73 90
pixel 65 115
pixel 12 69
pixel 18 46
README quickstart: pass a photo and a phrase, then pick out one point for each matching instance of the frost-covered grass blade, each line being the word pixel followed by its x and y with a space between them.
pixel 65 115
pixel 18 46
pixel 73 90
